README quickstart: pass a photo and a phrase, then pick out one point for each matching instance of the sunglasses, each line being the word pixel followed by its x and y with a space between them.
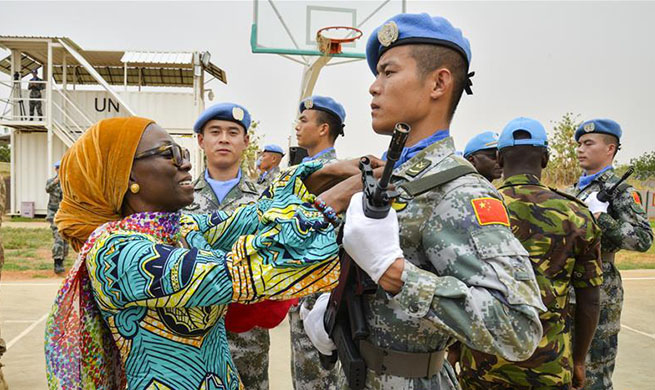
pixel 174 152
pixel 491 154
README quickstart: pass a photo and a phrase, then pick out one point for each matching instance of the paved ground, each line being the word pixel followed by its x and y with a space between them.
pixel 24 304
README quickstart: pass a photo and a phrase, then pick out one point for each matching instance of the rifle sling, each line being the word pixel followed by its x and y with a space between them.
pixel 426 183
pixel 402 364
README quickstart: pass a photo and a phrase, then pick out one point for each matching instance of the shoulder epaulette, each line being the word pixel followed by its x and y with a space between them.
pixel 428 182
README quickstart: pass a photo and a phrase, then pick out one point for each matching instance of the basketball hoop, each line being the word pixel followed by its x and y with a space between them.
pixel 329 39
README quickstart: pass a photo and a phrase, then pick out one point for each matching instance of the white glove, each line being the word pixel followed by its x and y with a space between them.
pixel 314 326
pixel 595 205
pixel 372 243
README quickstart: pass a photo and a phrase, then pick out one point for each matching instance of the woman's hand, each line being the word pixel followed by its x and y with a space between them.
pixel 336 172
pixel 338 197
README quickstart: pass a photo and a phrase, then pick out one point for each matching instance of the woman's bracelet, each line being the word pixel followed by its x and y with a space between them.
pixel 327 211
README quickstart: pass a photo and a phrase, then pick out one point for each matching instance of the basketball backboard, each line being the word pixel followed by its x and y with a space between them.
pixel 289 27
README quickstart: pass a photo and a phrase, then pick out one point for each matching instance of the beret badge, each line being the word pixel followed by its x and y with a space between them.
pixel 237 113
pixel 309 103
pixel 388 34
pixel 589 127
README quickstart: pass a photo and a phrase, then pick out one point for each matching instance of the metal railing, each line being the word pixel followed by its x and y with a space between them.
pixel 17 104
pixel 68 120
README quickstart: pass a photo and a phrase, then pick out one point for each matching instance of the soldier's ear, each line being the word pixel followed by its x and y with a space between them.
pixel 324 129
pixel 441 81
pixel 545 157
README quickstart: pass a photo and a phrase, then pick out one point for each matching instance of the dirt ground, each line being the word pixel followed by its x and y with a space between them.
pixel 25 303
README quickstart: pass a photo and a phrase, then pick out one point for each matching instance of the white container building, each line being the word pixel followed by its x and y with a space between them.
pixel 81 87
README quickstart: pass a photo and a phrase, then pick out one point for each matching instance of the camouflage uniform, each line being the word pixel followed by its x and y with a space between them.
pixel 3 202
pixel 624 226
pixel 563 241
pixel 249 349
pixel 306 370
pixel 267 177
pixel 60 246
pixel 464 278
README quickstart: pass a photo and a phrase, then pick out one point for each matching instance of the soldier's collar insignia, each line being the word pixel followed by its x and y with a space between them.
pixel 237 113
pixel 388 34
pixel 309 104
pixel 418 167
pixel 589 127
pixel 399 205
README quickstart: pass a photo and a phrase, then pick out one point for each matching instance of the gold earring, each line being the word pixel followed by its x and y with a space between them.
pixel 135 188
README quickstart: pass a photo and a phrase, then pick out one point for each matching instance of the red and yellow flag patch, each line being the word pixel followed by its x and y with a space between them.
pixel 636 197
pixel 490 211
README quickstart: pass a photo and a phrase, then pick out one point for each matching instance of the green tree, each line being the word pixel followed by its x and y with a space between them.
pixel 563 168
pixel 5 153
pixel 251 153
pixel 644 166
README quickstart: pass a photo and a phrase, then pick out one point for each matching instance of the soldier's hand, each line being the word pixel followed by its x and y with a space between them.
pixel 454 352
pixel 595 205
pixel 312 321
pixel 374 244
pixel 579 376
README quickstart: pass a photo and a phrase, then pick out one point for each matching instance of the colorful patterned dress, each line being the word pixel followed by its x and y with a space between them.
pixel 162 282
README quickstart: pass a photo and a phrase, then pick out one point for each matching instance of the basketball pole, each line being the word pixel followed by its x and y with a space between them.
pixel 309 77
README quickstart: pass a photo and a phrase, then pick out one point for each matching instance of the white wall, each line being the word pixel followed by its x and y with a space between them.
pixel 174 111
pixel 30 154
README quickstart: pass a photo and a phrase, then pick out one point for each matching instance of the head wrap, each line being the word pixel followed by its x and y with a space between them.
pixel 94 176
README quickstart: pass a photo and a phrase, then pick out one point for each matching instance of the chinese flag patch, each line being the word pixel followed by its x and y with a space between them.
pixel 490 211
pixel 636 197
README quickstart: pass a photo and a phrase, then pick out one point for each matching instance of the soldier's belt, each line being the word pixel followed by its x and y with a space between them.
pixel 402 364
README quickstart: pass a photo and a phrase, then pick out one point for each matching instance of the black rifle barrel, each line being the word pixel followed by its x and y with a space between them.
pixel 400 133
pixel 606 195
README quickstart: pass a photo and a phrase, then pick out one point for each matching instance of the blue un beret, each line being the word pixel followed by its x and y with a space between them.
pixel 405 29
pixel 273 148
pixel 324 103
pixel 226 111
pixel 482 141
pixel 57 164
pixel 602 126
pixel 538 136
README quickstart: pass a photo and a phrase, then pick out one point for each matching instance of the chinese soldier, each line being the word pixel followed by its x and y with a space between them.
pixel 624 225
pixel 445 261
pixel 223 136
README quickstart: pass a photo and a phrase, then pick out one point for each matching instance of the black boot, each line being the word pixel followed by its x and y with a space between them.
pixel 59 266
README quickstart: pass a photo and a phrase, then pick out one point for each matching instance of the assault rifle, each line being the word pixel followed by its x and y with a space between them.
pixel 605 195
pixel 344 317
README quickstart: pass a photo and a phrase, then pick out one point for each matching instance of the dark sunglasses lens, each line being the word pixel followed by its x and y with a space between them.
pixel 180 155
